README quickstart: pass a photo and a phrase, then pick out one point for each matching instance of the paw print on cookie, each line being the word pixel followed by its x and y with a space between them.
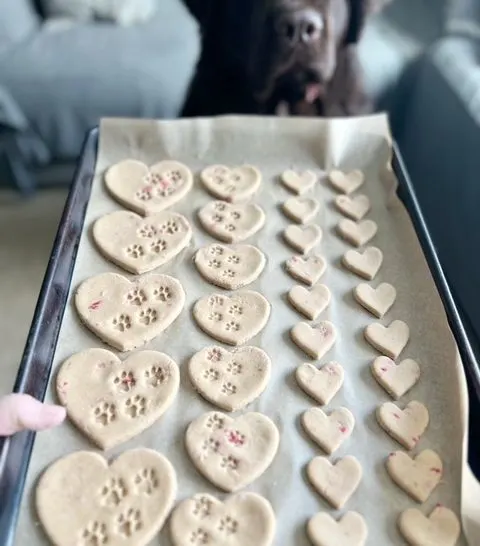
pixel 147 232
pixel 125 381
pixel 235 260
pixel 216 300
pixel 215 264
pixel 211 374
pixel 135 251
pixel 230 228
pixel 163 293
pixel 216 250
pixel 215 422
pixel 136 297
pixel 203 507
pixel 156 375
pixel 95 534
pixel 113 492
pixel 104 413
pixel 211 445
pixel 229 388
pixel 214 355
pixel 234 368
pixel 145 194
pixel 230 463
pixel 136 406
pixel 232 326
pixel 235 310
pixel 219 206
pixel 146 481
pixel 235 215
pixel 147 317
pixel 122 322
pixel 228 525
pixel 217 317
pixel 228 273
pixel 199 537
pixel 217 218
pixel 169 227
pixel 158 246
pixel 129 522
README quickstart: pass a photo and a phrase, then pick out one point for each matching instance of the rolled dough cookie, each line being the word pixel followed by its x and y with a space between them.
pixel 349 530
pixel 245 519
pixel 232 319
pixel 308 270
pixel 141 244
pixel 148 190
pixel 405 426
pixel 232 453
pixel 357 233
pixel 310 303
pixel 126 314
pixel 365 264
pixel 230 379
pixel 441 528
pixel 315 340
pixel 303 238
pixel 389 340
pixel 396 379
pixel 321 384
pixel 231 223
pixel 346 182
pixel 230 267
pixel 301 209
pixel 330 430
pixel 80 499
pixel 376 300
pixel 299 183
pixel 353 207
pixel 111 401
pixel 232 184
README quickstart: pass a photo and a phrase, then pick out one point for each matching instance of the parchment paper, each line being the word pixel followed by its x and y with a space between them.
pixel 274 145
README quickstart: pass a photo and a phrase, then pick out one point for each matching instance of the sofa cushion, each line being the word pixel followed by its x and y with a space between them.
pixel 18 21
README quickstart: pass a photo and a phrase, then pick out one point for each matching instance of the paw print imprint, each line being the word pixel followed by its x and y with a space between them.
pixel 230 462
pixel 135 251
pixel 199 537
pixel 203 507
pixel 95 534
pixel 136 406
pixel 148 316
pixel 230 227
pixel 235 310
pixel 104 413
pixel 235 215
pixel 175 176
pixel 113 492
pixel 234 368
pixel 122 322
pixel 216 251
pixel 170 227
pixel 156 375
pixel 220 206
pixel 230 189
pixel 136 297
pixel 216 300
pixel 147 232
pixel 144 194
pixel 211 445
pixel 163 293
pixel 228 525
pixel 215 264
pixel 125 381
pixel 158 246
pixel 233 259
pixel 217 218
pixel 129 522
pixel 215 422
pixel 146 481
pixel 232 326
pixel 214 355
pixel 211 374
pixel 229 388
pixel 229 273
pixel 217 317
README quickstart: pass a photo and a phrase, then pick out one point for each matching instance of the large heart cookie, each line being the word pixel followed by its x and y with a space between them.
pixel 236 184
pixel 308 270
pixel 126 314
pixel 396 379
pixel 389 340
pixel 245 519
pixel 141 244
pixel 376 300
pixel 232 453
pixel 301 209
pixel 418 476
pixel 357 233
pixel 231 223
pixel 232 319
pixel 346 182
pixel 405 426
pixel 328 431
pixel 366 264
pixel 321 384
pixel 441 528
pixel 310 303
pixel 80 499
pixel 303 238
pixel 299 183
pixel 314 340
pixel 349 530
pixel 230 267
pixel 230 379
pixel 111 401
pixel 353 207
pixel 148 190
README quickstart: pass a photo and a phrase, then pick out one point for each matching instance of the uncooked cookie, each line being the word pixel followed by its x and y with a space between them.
pixel 111 401
pixel 357 233
pixel 330 430
pixel 365 264
pixel 349 530
pixel 321 384
pixel 376 300
pixel 405 426
pixel 245 519
pixel 230 379
pixel 354 207
pixel 126 314
pixel 230 267
pixel 346 182
pixel 148 190
pixel 141 244
pixel 80 499
pixel 310 303
pixel 441 528
pixel 232 184
pixel 315 340
pixel 303 238
pixel 299 183
pixel 308 270
pixel 232 453
pixel 396 379
pixel 389 340
pixel 301 209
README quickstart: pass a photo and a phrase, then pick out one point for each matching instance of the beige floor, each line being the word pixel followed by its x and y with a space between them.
pixel 27 230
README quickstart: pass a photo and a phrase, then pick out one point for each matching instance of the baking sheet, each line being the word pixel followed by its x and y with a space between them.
pixel 274 145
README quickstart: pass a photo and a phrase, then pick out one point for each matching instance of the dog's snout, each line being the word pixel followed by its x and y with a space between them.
pixel 302 26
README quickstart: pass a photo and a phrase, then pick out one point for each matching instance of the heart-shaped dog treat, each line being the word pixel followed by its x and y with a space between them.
pixel 230 379
pixel 328 431
pixel 389 340
pixel 301 209
pixel 232 319
pixel 230 267
pixel 406 426
pixel 357 233
pixel 314 340
pixel 376 300
pixel 299 183
pixel 231 223
pixel 366 264
pixel 353 207
pixel 441 528
pixel 245 519
pixel 335 482
pixel 148 190
pixel 111 401
pixel 80 499
pixel 346 182
pixel 303 238
pixel 419 476
pixel 350 530
pixel 141 244
pixel 232 453
pixel 396 379
pixel 236 184
pixel 126 314
pixel 308 270
pixel 310 303
pixel 322 384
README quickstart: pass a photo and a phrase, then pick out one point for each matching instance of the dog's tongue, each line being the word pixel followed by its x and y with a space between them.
pixel 312 92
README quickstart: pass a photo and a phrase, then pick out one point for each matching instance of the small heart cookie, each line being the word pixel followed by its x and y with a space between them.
pixel 126 314
pixel 441 528
pixel 245 519
pixel 148 190
pixel 366 264
pixel 354 207
pixel 310 303
pixel 328 431
pixel 230 267
pixel 418 476
pixel 396 379
pixel 376 300
pixel 389 340
pixel 231 223
pixel 349 530
pixel 232 453
pixel 357 233
pixel 236 184
pixel 111 401
pixel 230 379
pixel 406 426
pixel 321 384
pixel 308 270
pixel 299 183
pixel 301 209
pixel 303 238
pixel 346 182
pixel 232 319
pixel 335 482
pixel 141 244
pixel 315 340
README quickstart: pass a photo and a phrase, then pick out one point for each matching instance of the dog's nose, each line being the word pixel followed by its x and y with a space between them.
pixel 305 26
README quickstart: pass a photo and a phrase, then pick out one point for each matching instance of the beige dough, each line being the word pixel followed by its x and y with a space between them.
pixel 80 499
pixel 111 401
pixel 353 207
pixel 376 300
pixel 357 233
pixel 315 340
pixel 232 319
pixel 299 183
pixel 310 303
pixel 245 519
pixel 405 426
pixel 230 267
pixel 441 528
pixel 321 384
pixel 308 270
pixel 141 244
pixel 232 184
pixel 349 530
pixel 148 190
pixel 389 340
pixel 301 209
pixel 231 223
pixel 232 453
pixel 396 379
pixel 346 182
pixel 126 314
pixel 330 430
pixel 303 238
pixel 230 379
pixel 365 264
